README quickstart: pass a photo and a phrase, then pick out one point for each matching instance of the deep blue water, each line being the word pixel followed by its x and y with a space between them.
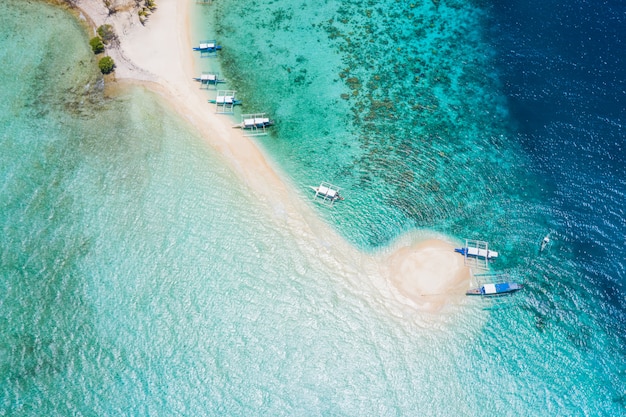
pixel 564 74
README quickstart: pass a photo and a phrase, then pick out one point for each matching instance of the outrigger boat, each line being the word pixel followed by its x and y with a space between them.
pixel 327 192
pixel 495 289
pixel 226 100
pixel 255 123
pixel 207 46
pixel 477 252
pixel 209 79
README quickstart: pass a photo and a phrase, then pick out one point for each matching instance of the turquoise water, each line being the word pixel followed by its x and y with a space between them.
pixel 139 277
pixel 369 96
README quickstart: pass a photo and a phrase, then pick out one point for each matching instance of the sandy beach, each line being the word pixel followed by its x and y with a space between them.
pixel 419 272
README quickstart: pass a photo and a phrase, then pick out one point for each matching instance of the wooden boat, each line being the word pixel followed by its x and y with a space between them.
pixel 226 100
pixel 495 289
pixel 255 123
pixel 209 46
pixel 477 252
pixel 327 193
pixel 209 79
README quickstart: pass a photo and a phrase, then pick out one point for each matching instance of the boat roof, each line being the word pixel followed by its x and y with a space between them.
pixel 489 289
pixel 224 99
pixel 327 191
pixel 499 288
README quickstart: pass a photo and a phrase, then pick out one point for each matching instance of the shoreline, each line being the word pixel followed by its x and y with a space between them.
pixel 419 271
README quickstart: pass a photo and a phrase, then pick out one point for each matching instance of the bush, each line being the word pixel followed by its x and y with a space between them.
pixel 96 45
pixel 106 65
pixel 107 33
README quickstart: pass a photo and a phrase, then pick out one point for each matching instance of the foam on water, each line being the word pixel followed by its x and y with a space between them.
pixel 140 278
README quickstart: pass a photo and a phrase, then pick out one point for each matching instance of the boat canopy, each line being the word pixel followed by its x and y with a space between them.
pixel 489 289
pixel 255 124
pixel 327 191
pixel 484 253
pixel 257 121
pixel 224 99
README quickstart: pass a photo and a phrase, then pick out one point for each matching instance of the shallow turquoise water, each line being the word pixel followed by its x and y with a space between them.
pixel 139 277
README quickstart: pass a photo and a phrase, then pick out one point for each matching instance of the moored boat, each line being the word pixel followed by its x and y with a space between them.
pixel 255 123
pixel 227 100
pixel 495 289
pixel 327 192
pixel 207 46
pixel 477 252
pixel 209 79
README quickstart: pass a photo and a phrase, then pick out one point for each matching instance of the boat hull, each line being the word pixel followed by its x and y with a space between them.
pixel 494 290
pixel 213 49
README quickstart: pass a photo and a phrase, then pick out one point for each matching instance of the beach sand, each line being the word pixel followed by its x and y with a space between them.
pixel 421 272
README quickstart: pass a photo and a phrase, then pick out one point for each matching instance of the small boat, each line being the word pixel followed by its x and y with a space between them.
pixel 495 289
pixel 327 193
pixel 209 79
pixel 477 253
pixel 209 46
pixel 226 100
pixel 255 123
pixel 544 243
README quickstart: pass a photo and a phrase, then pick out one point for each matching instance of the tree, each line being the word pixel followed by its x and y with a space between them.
pixel 106 65
pixel 96 45
pixel 107 33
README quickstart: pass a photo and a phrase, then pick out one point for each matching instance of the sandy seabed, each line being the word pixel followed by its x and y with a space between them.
pixel 417 272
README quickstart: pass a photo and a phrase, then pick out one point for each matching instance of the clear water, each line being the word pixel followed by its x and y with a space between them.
pixel 140 278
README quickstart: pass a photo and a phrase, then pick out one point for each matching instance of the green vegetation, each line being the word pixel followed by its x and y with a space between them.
pixel 96 45
pixel 107 33
pixel 106 65
pixel 144 12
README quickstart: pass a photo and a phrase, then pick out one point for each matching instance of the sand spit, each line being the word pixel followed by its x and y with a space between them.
pixel 419 273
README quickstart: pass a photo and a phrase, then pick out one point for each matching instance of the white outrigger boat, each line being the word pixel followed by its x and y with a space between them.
pixel 495 289
pixel 326 193
pixel 322 191
pixel 477 252
pixel 209 78
pixel 226 100
pixel 255 123
pixel 207 46
pixel 497 284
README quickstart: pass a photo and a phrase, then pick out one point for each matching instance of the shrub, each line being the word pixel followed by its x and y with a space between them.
pixel 96 45
pixel 106 65
pixel 107 33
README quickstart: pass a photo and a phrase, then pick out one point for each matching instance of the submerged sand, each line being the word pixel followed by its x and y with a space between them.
pixel 420 272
